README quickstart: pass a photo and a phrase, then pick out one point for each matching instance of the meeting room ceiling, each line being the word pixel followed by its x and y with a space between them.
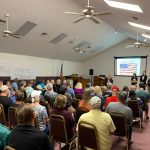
pixel 46 31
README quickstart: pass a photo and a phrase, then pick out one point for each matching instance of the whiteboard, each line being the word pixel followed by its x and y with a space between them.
pixel 20 72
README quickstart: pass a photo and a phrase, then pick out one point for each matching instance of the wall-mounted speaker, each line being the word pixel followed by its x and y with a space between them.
pixel 91 72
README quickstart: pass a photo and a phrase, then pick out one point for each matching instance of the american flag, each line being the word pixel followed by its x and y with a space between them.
pixel 61 71
pixel 128 69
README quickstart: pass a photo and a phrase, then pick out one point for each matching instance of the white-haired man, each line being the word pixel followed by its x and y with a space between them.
pixel 102 121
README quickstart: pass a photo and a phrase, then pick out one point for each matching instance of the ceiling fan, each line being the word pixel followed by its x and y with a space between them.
pixel 7 32
pixel 137 44
pixel 78 49
pixel 2 21
pixel 89 13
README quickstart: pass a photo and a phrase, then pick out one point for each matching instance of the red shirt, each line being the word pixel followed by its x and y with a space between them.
pixel 113 98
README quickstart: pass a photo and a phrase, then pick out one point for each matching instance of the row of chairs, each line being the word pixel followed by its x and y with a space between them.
pixel 12 119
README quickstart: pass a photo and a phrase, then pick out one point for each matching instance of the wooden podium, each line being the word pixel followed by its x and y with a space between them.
pixel 99 81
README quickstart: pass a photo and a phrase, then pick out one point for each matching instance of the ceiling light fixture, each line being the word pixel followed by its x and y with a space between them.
pixel 139 26
pixel 146 36
pixel 126 6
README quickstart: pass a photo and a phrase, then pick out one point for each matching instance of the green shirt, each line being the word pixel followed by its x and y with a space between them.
pixel 4 135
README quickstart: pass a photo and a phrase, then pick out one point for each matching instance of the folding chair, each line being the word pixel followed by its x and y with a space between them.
pixel 12 117
pixel 87 136
pixel 120 123
pixel 2 116
pixel 134 105
pixel 58 131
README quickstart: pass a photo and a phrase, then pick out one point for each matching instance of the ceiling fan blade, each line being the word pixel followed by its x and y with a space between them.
pixel 94 19
pixel 102 13
pixel 72 13
pixel 15 36
pixel 146 46
pixel 3 21
pixel 79 20
pixel 129 46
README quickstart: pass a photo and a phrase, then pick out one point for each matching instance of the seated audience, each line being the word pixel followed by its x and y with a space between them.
pixel 98 92
pixel 133 97
pixel 69 89
pixel 102 121
pixel 26 136
pixel 144 96
pixel 19 98
pixel 59 109
pixel 50 93
pixel 86 99
pixel 29 89
pixel 5 100
pixel 14 85
pixel 11 91
pixel 78 89
pixel 4 134
pixel 113 98
pixel 126 88
pixel 121 107
pixel 108 92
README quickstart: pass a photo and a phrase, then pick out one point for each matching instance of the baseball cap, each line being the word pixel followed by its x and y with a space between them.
pixel 35 93
pixel 115 88
pixel 95 101
pixel 3 88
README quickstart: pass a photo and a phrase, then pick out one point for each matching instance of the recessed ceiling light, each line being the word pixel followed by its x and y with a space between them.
pixel 145 35
pixel 139 26
pixel 126 6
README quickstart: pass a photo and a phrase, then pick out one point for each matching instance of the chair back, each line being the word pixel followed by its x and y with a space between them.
pixel 134 105
pixel 79 112
pixel 8 148
pixel 120 123
pixel 87 136
pixel 2 116
pixel 75 103
pixel 78 96
pixel 12 117
pixel 58 130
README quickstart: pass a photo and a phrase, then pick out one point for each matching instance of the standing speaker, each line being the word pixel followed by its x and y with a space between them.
pixel 91 72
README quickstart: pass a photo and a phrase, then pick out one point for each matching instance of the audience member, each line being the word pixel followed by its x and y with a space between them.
pixel 26 136
pixel 98 92
pixel 50 93
pixel 102 121
pixel 14 85
pixel 29 89
pixel 4 134
pixel 59 109
pixel 69 89
pixel 5 100
pixel 41 113
pixel 113 98
pixel 144 96
pixel 85 99
pixel 121 107
pixel 78 89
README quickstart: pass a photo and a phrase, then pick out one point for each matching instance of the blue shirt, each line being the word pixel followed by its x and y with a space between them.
pixel 71 92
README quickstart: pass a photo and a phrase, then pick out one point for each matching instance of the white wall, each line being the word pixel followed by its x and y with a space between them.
pixel 43 66
pixel 104 63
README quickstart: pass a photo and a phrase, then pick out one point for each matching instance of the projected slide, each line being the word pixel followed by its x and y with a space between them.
pixel 128 66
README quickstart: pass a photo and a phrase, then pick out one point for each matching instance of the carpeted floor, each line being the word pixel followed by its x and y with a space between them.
pixel 140 138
